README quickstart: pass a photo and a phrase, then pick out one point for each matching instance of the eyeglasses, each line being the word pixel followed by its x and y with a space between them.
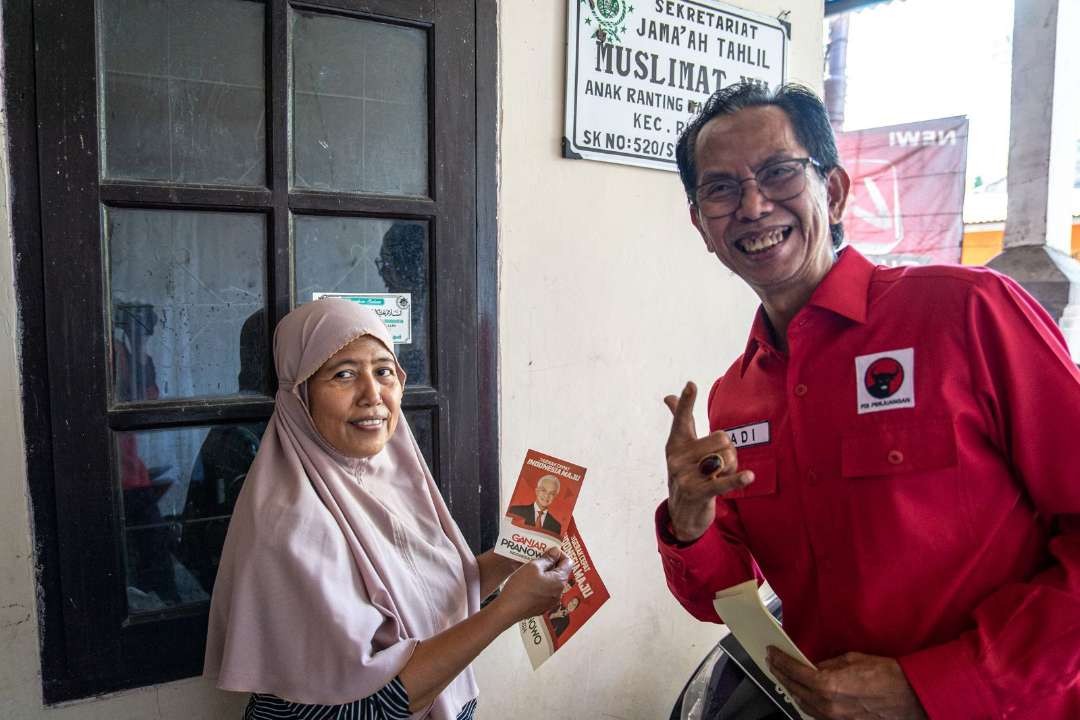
pixel 776 181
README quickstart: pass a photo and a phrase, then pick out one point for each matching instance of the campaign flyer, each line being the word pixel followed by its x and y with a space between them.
pixel 582 596
pixel 540 506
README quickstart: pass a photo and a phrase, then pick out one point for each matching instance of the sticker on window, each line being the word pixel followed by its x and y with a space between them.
pixel 394 309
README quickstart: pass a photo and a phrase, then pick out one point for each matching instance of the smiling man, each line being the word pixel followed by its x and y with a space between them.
pixel 893 450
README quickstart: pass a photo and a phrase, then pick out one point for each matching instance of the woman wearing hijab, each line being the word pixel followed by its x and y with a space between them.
pixel 345 589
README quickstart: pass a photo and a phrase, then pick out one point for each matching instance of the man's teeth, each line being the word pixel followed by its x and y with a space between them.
pixel 762 242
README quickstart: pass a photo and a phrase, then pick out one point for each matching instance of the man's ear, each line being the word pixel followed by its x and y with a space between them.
pixel 695 219
pixel 838 185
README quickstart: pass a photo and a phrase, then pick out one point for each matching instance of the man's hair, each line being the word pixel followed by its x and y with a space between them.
pixel 804 110
pixel 549 478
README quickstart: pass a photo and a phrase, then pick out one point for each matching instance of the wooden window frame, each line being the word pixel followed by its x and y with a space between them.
pixel 78 658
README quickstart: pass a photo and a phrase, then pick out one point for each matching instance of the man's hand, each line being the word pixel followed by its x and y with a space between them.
pixel 691 492
pixel 850 687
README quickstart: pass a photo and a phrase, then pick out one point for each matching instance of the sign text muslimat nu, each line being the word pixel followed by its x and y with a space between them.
pixel 638 72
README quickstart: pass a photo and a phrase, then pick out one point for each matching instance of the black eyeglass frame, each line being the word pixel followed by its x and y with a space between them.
pixel 805 162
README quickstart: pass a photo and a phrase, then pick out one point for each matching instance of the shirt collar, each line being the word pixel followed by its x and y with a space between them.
pixel 844 290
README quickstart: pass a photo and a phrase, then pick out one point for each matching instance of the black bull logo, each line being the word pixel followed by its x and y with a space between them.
pixel 883 378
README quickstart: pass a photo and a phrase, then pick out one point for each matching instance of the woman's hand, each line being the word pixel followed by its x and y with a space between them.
pixel 535 587
pixel 494 569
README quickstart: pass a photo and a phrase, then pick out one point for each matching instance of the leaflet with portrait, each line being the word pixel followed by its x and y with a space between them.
pixel 582 596
pixel 540 507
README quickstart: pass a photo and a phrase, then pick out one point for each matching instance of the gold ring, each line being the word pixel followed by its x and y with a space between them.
pixel 711 464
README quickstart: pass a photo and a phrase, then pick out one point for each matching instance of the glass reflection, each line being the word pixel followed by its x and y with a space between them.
pixel 182 90
pixel 360 107
pixel 187 291
pixel 178 489
pixel 365 255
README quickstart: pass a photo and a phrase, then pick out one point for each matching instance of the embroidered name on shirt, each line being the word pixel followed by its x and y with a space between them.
pixel 747 435
pixel 885 381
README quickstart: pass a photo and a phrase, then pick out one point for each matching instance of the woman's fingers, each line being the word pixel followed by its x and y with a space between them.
pixel 555 562
pixel 562 569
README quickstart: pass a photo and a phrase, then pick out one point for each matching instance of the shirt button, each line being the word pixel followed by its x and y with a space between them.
pixel 800 390
pixel 812 477
pixel 896 457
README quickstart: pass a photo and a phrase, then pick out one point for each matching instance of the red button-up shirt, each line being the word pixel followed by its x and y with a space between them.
pixel 917 490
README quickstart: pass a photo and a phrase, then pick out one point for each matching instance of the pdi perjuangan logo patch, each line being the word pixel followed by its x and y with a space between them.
pixel 885 380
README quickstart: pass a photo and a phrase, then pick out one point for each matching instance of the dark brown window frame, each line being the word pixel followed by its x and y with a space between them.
pixel 66 619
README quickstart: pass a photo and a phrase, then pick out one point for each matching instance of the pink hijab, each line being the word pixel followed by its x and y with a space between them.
pixel 334 567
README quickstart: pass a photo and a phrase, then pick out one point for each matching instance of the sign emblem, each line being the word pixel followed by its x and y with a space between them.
pixel 885 381
pixel 608 16
pixel 884 377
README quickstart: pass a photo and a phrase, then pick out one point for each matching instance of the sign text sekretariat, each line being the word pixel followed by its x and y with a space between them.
pixel 638 73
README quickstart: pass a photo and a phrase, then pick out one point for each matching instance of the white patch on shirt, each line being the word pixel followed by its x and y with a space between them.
pixel 747 435
pixel 885 381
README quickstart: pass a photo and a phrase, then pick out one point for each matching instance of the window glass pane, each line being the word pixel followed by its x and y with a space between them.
pixel 178 488
pixel 182 84
pixel 364 255
pixel 360 116
pixel 187 298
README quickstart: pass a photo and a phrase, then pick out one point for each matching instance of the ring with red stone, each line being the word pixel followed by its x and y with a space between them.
pixel 711 464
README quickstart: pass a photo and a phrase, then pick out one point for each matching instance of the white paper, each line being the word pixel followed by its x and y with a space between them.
pixel 755 628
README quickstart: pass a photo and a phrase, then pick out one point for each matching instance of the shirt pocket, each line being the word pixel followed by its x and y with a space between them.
pixel 763 464
pixel 896 448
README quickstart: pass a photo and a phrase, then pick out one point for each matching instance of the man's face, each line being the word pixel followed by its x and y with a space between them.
pixel 545 493
pixel 775 247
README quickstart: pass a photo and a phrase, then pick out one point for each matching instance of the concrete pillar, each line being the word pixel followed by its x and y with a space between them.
pixel 1042 157
pixel 836 69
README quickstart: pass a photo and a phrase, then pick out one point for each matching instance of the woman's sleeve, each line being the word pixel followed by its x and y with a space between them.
pixel 389 703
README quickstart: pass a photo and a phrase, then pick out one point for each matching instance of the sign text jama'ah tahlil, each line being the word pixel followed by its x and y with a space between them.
pixel 673 72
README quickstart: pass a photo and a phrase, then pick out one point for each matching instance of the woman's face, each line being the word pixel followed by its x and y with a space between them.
pixel 355 398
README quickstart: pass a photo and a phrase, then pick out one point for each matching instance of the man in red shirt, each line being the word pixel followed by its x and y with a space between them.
pixel 895 449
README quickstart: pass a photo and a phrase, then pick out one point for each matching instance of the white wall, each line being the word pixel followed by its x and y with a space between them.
pixel 608 302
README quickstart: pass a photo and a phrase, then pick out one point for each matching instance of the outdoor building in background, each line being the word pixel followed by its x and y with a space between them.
pixel 874 78
pixel 907 190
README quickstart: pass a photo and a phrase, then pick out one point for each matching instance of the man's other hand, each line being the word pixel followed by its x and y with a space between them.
pixel 850 687
pixel 691 492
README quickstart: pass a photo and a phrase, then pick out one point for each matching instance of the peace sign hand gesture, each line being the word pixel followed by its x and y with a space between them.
pixel 699 469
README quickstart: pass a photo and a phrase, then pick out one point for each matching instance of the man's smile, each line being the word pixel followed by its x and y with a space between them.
pixel 758 241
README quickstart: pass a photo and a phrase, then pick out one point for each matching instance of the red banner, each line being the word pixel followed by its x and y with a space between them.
pixel 907 190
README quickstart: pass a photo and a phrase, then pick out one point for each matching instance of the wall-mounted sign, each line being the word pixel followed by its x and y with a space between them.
pixel 638 71
pixel 394 309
